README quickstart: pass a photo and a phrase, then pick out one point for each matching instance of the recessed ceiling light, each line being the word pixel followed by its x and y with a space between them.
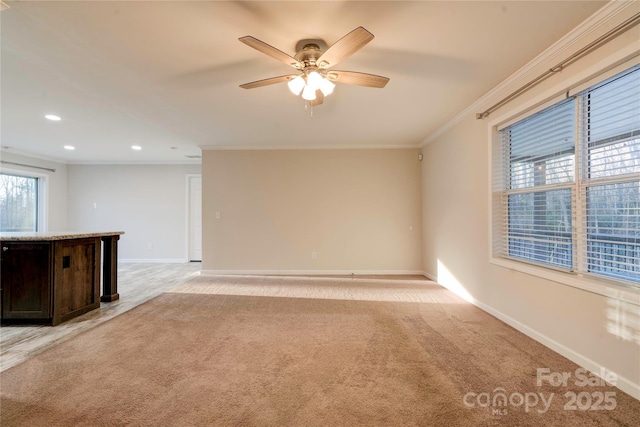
pixel 69 147
pixel 136 147
pixel 52 117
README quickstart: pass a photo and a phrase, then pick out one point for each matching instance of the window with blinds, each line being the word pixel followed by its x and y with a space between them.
pixel 611 176
pixel 539 156
pixel 571 183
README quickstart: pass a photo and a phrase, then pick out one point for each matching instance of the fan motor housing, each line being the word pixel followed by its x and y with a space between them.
pixel 309 54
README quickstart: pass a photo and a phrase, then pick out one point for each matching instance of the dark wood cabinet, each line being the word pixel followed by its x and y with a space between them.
pixel 25 279
pixel 50 282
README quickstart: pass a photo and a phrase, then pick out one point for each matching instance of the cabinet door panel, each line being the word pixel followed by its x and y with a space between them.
pixel 26 275
pixel 76 277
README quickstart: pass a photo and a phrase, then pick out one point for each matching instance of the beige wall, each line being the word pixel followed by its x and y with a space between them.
pixel 359 210
pixel 147 202
pixel 456 195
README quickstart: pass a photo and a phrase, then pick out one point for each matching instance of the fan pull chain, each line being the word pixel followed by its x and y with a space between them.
pixel 308 108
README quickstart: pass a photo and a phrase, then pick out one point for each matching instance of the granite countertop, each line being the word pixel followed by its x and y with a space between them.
pixel 53 235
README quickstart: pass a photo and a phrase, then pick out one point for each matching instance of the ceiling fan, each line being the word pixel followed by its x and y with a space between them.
pixel 314 80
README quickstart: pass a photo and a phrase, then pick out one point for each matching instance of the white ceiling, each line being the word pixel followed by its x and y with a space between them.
pixel 163 74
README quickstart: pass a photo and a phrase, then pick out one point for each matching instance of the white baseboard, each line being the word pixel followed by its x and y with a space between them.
pixel 430 276
pixel 311 272
pixel 154 261
pixel 624 384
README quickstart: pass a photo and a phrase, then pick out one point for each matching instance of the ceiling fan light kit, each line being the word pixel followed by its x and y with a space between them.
pixel 309 84
pixel 296 85
pixel 314 81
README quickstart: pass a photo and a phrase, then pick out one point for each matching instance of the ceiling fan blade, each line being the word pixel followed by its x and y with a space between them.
pixel 319 99
pixel 346 46
pixel 360 79
pixel 267 49
pixel 267 82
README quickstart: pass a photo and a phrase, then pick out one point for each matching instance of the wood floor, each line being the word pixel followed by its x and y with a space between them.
pixel 137 283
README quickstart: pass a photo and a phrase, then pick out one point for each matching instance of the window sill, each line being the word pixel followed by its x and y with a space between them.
pixel 620 292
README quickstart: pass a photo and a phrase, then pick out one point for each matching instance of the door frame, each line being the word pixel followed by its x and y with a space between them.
pixel 188 178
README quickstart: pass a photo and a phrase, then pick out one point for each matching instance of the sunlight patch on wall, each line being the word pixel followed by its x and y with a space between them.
pixel 623 320
pixel 449 281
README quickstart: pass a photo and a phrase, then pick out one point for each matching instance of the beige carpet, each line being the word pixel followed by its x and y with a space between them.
pixel 283 351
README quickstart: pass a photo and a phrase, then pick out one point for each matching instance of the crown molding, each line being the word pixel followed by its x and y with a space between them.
pixel 137 163
pixel 299 147
pixel 11 150
pixel 602 17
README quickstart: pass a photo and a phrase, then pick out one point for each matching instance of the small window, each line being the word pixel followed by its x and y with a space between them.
pixel 18 203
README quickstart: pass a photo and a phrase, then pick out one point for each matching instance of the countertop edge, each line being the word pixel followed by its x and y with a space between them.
pixel 51 236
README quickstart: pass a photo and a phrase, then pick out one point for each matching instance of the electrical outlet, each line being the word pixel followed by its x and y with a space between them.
pixel 150 246
pixel 217 214
pixel 314 255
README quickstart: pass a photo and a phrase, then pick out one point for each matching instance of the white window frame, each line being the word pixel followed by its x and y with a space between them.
pixel 43 181
pixel 599 285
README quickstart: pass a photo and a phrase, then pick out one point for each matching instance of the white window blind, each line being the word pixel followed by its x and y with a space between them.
pixel 569 186
pixel 539 158
pixel 611 176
